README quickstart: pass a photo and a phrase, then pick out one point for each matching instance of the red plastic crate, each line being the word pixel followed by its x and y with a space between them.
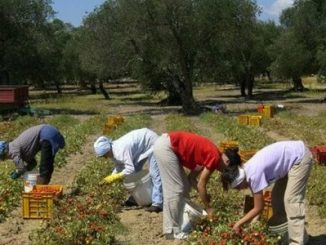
pixel 319 153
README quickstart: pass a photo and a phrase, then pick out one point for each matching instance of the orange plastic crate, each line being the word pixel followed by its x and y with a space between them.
pixel 38 204
pixel 267 212
pixel 246 154
pixel 228 144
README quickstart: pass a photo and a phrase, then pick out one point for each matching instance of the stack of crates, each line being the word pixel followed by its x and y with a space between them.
pixel 267 110
pixel 39 203
pixel 252 120
pixel 228 145
pixel 246 154
pixel 267 212
pixel 319 153
pixel 111 123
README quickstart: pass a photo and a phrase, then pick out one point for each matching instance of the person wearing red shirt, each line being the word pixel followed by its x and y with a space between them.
pixel 176 150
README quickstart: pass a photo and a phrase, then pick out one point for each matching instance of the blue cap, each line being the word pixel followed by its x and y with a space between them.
pixel 102 146
pixel 3 149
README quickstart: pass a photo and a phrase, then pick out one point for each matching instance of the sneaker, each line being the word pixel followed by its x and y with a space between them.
pixel 181 236
pixel 155 209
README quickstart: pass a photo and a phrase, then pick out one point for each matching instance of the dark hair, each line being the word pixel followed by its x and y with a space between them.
pixel 230 173
pixel 233 155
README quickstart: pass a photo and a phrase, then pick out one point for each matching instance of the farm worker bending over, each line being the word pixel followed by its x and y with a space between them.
pixel 288 165
pixel 176 150
pixel 22 151
pixel 129 153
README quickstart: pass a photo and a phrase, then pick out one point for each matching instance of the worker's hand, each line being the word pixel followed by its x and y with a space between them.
pixel 210 213
pixel 112 178
pixel 15 175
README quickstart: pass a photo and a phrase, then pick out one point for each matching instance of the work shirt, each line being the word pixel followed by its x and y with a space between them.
pixel 195 151
pixel 23 149
pixel 272 163
pixel 132 149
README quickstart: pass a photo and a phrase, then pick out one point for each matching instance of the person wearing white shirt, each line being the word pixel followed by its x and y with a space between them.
pixel 129 154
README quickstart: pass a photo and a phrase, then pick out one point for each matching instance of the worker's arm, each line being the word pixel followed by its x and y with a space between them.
pixel 202 190
pixel 20 167
pixel 192 177
pixel 257 209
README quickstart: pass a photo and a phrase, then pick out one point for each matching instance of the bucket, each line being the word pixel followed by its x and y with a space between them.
pixel 191 216
pixel 140 187
pixel 30 179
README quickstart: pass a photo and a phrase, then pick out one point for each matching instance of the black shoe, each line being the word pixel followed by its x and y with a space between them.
pixel 155 209
pixel 130 202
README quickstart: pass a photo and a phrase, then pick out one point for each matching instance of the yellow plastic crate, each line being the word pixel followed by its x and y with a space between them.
pixel 108 129
pixel 245 155
pixel 255 120
pixel 268 111
pixel 38 204
pixel 115 120
pixel 228 144
pixel 243 119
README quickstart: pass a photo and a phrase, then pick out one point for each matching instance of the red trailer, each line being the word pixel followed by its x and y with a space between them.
pixel 13 96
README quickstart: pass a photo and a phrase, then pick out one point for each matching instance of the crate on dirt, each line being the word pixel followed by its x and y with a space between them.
pixel 228 144
pixel 268 111
pixel 260 108
pixel 115 120
pixel 267 212
pixel 38 204
pixel 245 155
pixel 319 153
pixel 255 121
pixel 243 119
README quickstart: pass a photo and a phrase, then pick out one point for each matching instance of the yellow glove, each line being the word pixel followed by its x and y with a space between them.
pixel 112 178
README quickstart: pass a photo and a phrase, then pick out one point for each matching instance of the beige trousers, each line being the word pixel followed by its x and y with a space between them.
pixel 291 189
pixel 175 184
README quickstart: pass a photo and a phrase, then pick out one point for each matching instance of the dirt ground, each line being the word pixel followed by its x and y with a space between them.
pixel 15 230
pixel 143 227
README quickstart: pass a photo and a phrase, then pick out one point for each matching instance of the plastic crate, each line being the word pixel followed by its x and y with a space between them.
pixel 115 120
pixel 268 211
pixel 228 144
pixel 268 111
pixel 249 204
pixel 255 120
pixel 38 204
pixel 243 119
pixel 319 152
pixel 260 108
pixel 245 155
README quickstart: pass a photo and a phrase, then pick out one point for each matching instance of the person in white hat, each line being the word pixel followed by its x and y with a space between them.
pixel 129 153
pixel 288 165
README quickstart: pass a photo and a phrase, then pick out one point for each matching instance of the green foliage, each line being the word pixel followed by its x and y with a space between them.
pixel 177 122
pixel 316 190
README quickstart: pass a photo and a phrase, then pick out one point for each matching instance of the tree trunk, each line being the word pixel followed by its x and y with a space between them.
pixel 243 86
pixel 103 91
pixel 297 84
pixel 93 86
pixel 57 85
